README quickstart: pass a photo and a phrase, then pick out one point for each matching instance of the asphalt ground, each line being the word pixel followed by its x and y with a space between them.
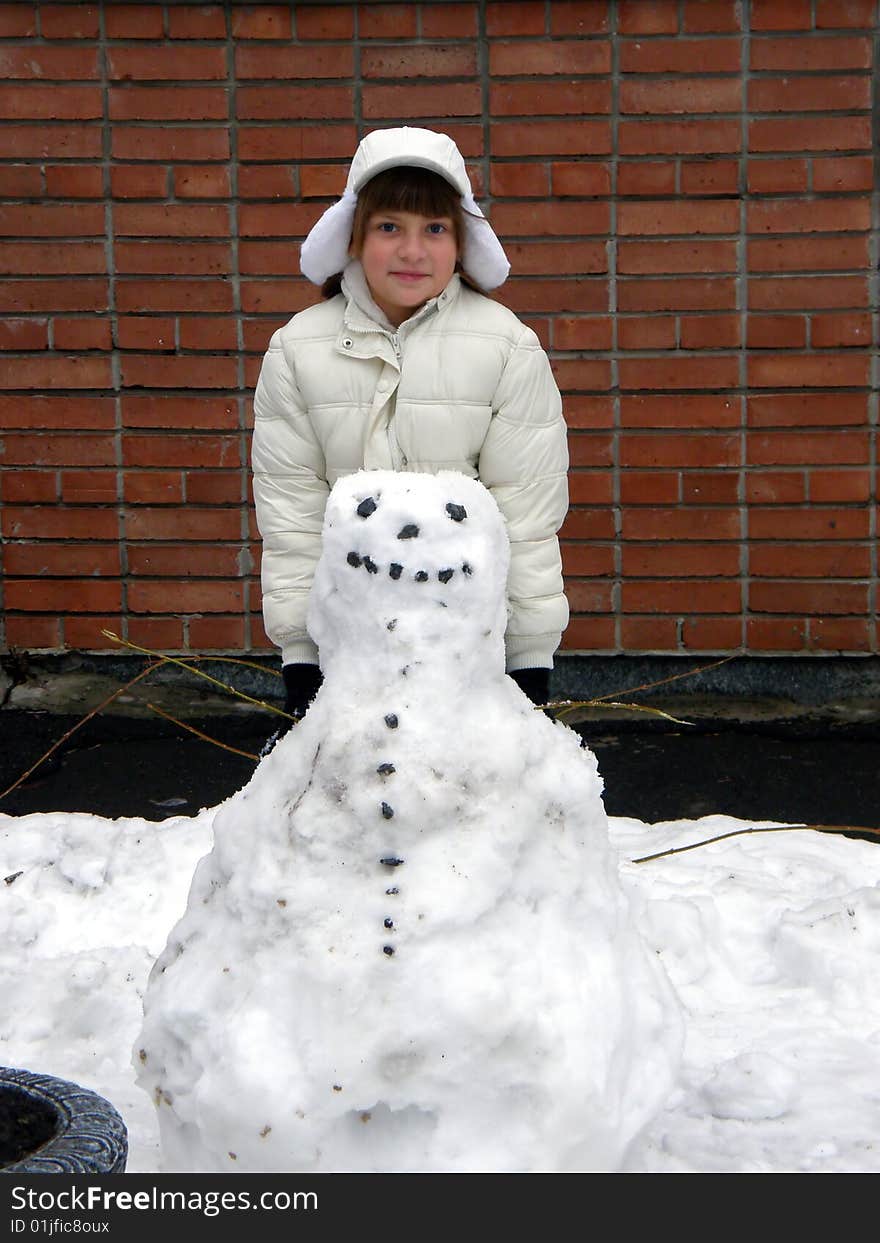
pixel 793 772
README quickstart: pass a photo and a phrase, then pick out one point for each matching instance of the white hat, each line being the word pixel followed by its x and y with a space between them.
pixel 325 250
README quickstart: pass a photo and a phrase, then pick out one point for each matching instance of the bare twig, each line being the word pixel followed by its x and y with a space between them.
pixel 561 706
pixel 778 828
pixel 205 737
pixel 94 712
pixel 688 673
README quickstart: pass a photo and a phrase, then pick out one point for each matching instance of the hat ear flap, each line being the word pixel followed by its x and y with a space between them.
pixel 483 256
pixel 325 250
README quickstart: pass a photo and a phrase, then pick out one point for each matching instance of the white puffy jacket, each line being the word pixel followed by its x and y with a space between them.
pixel 461 385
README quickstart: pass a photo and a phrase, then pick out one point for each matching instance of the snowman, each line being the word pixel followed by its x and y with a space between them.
pixel 409 949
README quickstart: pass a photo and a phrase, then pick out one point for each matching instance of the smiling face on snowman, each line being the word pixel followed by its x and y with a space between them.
pixel 410 561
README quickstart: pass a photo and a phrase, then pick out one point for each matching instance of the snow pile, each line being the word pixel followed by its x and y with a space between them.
pixel 409 948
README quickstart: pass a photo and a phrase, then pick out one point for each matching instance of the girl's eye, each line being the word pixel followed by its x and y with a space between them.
pixel 436 228
pixel 386 226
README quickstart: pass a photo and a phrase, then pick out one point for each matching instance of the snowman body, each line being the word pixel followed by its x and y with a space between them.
pixel 409 949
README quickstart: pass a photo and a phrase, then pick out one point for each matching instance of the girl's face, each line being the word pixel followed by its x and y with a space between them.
pixel 407 259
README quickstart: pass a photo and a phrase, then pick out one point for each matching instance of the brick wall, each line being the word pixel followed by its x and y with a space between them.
pixel 685 191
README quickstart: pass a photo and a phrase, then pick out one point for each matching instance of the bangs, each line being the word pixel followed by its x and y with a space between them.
pixel 416 190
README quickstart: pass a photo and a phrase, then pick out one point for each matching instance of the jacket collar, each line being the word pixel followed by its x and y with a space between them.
pixel 363 315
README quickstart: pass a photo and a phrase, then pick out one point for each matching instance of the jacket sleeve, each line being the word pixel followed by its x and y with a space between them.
pixel 524 463
pixel 290 491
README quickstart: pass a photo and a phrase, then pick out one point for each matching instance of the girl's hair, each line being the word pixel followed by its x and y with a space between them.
pixel 404 188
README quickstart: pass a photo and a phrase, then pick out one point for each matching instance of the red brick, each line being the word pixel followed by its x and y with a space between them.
pixel 807 94
pixel 214 487
pixel 156 633
pixel 705 410
pixel 62 595
pixel 685 597
pixel 69 21
pixel 710 332
pixel 196 22
pixel 215 333
pixel 776 332
pixel 60 103
pixel 72 181
pixel 530 295
pixel 548 219
pixel 842 174
pixel 191 258
pixel 182 524
pixel 710 16
pixel 518 138
pixel 182 412
pixel 387 21
pixel 321 22
pixel 449 21
pixel 171 220
pixel 589 634
pixel 82 334
pixel 649 634
pixel 811 134
pixel 781 15
pixel 807 409
pixel 167 62
pixel 840 486
pixel 580 179
pixel 768 176
pixel 268 258
pixel 50 63
pixel 296 103
pixel 85 633
pixel 710 177
pixel 52 522
pixel 133 21
pixel 76 449
pixel 647 17
pixel 173 295
pixel 88 487
pixel 278 219
pixel 646 177
pixel 524 18
pixel 589 524
pixel 24 334
pixel 775 634
pixel 809 561
pixel 131 181
pixel 321 180
pixel 678 373
pixel 573 17
pixel 582 374
pixel 43 258
pixel 681 561
pixel 17 20
pixel 775 487
pixel 781 55
pixel 666 256
pixel 262 21
pixel 22 487
pixel 180 451
pixel 217 634
pixel 56 372
pixel 47 413
pixel 153 487
pixel 644 487
pixel 806 292
pixel 839 14
pixel 257 332
pixel 589 596
pixel 289 142
pixel 655 449
pixel 265 297
pixel 135 332
pixel 681 524
pixel 658 218
pixel 55 141
pixel 814 217
pixel 548 258
pixel 293 61
pixel 23 181
pixel 42 295
pixel 168 103
pixel 646 332
pixel 806 371
pixel 52 219
pixel 60 560
pixel 594 333
pixel 678 137
pixel 530 98
pixel 269 181
pixel 423 100
pixel 712 634
pixel 800 597
pixel 710 487
pixel 839 634
pixel 172 561
pixel 200 182
pixel 520 180
pixel 555 59
pixel 841 330
pixel 588 560
pixel 180 371
pixel 680 95
pixel 808 524
pixel 589 412
pixel 185 597
pixel 33 633
pixel 680 55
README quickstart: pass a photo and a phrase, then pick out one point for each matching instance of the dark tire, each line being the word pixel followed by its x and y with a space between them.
pixel 51 1126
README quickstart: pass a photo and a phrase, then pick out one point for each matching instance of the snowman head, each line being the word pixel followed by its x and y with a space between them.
pixel 411 564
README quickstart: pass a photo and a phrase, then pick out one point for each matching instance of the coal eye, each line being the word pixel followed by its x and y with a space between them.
pixel 457 513
pixel 366 507
pixel 410 531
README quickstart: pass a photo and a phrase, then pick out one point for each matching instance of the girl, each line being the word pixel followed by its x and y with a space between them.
pixel 407 365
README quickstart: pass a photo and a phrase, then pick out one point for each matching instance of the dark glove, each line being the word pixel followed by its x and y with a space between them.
pixel 533 682
pixel 301 685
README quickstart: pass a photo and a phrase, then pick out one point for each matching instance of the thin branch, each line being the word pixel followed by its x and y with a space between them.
pixel 688 673
pixel 205 737
pixel 94 712
pixel 199 673
pixel 779 828
pixel 561 706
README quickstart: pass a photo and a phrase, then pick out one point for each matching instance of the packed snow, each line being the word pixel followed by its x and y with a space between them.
pixel 549 1002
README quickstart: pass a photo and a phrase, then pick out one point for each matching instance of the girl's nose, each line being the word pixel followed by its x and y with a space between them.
pixel 411 243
